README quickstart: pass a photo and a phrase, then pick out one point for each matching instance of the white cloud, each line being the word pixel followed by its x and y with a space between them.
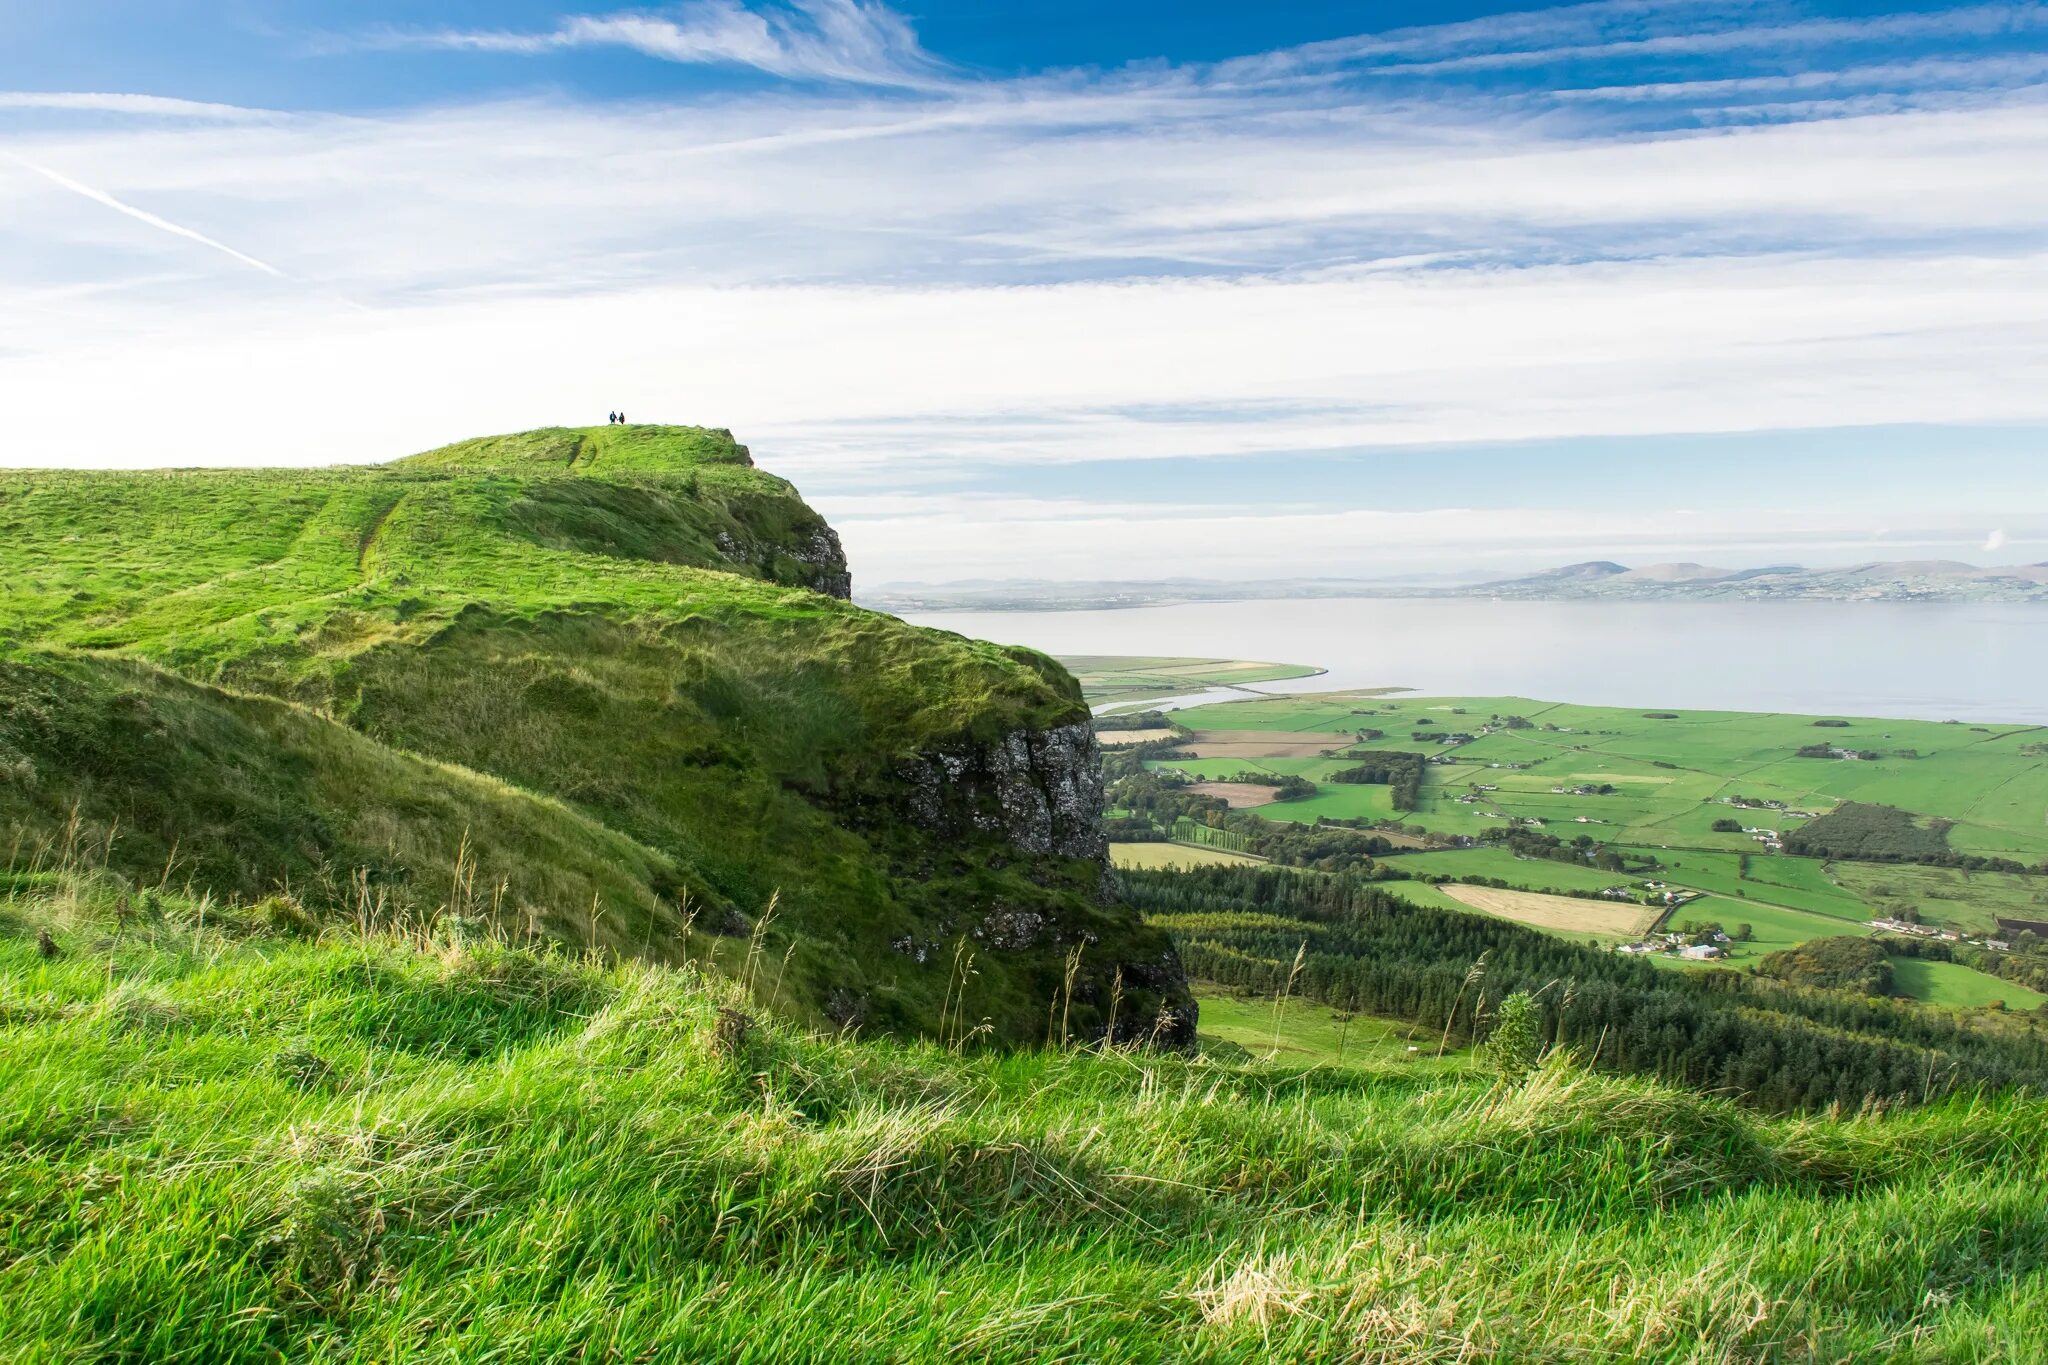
pixel 1995 541
pixel 856 41
pixel 1251 257
pixel 148 106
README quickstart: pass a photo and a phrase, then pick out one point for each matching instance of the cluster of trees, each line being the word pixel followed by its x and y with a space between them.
pixel 1152 800
pixel 1778 1045
pixel 1286 786
pixel 1885 834
pixel 1135 720
pixel 1845 963
pixel 1829 751
pixel 1582 849
pixel 1395 769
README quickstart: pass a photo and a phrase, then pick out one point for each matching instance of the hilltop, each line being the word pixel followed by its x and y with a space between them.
pixel 596 686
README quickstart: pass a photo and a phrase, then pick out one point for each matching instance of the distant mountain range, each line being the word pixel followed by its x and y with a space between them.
pixel 1900 580
pixel 1903 580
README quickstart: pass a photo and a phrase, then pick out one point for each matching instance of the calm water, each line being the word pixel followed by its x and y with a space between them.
pixel 1986 661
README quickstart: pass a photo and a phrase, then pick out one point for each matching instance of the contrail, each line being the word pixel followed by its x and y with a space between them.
pixel 141 215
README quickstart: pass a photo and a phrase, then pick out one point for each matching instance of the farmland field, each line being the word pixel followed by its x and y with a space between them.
pixel 1174 855
pixel 1310 1032
pixel 1652 786
pixel 1568 914
pixel 1951 983
pixel 1946 895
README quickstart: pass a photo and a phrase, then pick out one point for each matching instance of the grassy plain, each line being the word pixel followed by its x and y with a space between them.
pixel 1943 895
pixel 1952 984
pixel 1668 776
pixel 220 1143
pixel 1303 1031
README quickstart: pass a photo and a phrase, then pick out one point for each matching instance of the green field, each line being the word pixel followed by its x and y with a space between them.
pixel 1666 780
pixel 1668 774
pixel 1304 1031
pixel 1970 901
pixel 1951 983
pixel 1527 874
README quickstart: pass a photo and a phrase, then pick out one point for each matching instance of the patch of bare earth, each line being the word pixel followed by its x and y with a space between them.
pixel 1267 743
pixel 1237 795
pixel 1567 913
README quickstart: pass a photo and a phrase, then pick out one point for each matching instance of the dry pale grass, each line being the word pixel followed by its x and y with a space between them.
pixel 1118 739
pixel 1556 912
pixel 1176 856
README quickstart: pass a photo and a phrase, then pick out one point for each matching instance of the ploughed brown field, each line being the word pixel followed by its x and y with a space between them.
pixel 1267 743
pixel 1237 795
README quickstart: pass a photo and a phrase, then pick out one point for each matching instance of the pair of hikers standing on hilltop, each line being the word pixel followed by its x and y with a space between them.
pixel 617 419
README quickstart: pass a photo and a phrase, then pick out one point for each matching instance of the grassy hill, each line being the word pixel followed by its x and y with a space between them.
pixel 591 685
pixel 223 1142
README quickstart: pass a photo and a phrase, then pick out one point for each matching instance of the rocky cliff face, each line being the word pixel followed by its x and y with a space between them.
pixel 825 557
pixel 1041 792
pixel 1040 789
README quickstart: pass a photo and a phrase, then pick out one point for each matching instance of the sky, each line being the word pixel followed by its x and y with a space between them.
pixel 1071 290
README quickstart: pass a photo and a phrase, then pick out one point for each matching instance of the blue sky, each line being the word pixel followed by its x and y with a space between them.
pixel 1070 289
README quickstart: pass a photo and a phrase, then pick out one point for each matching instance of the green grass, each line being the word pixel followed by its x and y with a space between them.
pixel 1970 901
pixel 221 1145
pixel 1978 776
pixel 603 670
pixel 1304 1031
pixel 1959 987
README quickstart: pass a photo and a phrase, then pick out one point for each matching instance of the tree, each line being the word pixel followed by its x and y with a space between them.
pixel 1516 1043
pixel 1745 932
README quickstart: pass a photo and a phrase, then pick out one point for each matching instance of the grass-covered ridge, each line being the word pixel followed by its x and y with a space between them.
pixel 223 1143
pixel 325 680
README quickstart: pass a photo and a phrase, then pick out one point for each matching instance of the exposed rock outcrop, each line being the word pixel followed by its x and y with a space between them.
pixel 1040 789
pixel 826 558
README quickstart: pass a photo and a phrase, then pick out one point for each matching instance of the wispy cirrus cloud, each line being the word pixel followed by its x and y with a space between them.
pixel 858 42
pixel 885 270
pixel 146 106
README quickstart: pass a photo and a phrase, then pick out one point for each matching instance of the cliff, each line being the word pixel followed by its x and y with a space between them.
pixel 600 686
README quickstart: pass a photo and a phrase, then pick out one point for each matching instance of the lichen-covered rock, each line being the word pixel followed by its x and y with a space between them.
pixel 825 557
pixel 1039 789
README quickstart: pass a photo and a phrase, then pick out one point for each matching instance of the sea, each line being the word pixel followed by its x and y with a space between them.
pixel 1973 662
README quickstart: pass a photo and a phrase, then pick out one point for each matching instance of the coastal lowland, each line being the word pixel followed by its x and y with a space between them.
pixel 1693 838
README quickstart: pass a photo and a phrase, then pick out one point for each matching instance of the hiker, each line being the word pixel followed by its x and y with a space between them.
pixel 622 419
pixel 611 419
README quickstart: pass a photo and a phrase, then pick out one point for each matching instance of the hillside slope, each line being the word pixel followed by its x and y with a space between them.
pixel 220 1145
pixel 645 641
